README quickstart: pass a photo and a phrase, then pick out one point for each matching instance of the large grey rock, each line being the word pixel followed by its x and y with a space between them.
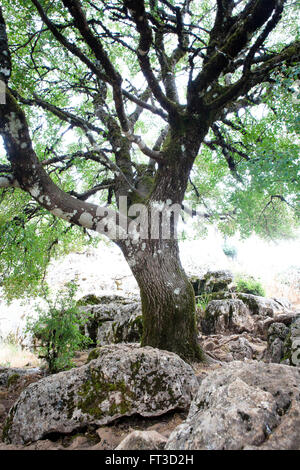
pixel 216 281
pixel 277 334
pixel 277 330
pixel 226 315
pixel 238 313
pixel 291 346
pixel 212 281
pixel 8 373
pixel 243 405
pixel 284 343
pixel 143 440
pixel 276 351
pixel 264 307
pixel 235 347
pixel 112 319
pixel 124 380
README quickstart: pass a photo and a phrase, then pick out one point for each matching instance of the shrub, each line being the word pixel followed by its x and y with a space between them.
pixel 248 285
pixel 203 301
pixel 57 330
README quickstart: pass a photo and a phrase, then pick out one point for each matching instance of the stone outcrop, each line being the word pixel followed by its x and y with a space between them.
pixel 284 343
pixel 293 346
pixel 122 380
pixel 115 319
pixel 235 347
pixel 263 306
pixel 11 374
pixel 226 315
pixel 277 335
pixel 212 281
pixel 112 319
pixel 243 405
pixel 238 313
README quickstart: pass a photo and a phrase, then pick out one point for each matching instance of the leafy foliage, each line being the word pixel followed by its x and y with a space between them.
pixel 57 330
pixel 262 197
pixel 248 285
pixel 29 238
pixel 203 301
pixel 246 174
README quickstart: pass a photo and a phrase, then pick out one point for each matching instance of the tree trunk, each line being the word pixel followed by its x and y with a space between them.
pixel 168 299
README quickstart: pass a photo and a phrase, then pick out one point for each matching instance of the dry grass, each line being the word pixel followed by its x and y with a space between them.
pixel 285 284
pixel 12 355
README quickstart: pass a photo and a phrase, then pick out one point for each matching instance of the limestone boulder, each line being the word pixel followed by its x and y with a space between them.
pixel 112 319
pixel 284 343
pixel 292 347
pixel 11 374
pixel 212 281
pixel 226 315
pixel 277 334
pixel 235 347
pixel 263 306
pixel 238 313
pixel 243 405
pixel 123 380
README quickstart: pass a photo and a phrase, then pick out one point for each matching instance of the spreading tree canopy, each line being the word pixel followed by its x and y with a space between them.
pixel 114 112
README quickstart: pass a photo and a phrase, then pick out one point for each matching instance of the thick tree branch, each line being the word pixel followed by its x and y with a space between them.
pixel 263 36
pixel 254 16
pixel 71 119
pixel 138 14
pixel 101 56
pixel 5 58
pixel 259 75
pixel 29 174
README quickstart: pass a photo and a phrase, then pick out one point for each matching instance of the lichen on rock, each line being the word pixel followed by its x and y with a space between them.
pixel 243 405
pixel 124 380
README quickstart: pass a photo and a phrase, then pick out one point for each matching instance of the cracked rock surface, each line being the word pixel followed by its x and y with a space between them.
pixel 123 380
pixel 243 405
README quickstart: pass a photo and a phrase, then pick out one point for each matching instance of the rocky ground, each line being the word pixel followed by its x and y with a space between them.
pixel 245 396
pixel 14 381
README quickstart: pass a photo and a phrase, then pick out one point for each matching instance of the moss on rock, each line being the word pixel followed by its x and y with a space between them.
pixel 94 354
pixel 12 380
pixel 89 299
pixel 97 389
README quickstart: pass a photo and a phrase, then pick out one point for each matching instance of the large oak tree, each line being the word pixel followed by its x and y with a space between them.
pixel 134 90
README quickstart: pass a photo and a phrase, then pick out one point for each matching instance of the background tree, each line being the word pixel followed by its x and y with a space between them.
pixel 121 98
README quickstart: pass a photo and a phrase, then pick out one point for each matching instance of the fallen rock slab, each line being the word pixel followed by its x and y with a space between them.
pixel 122 380
pixel 243 405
